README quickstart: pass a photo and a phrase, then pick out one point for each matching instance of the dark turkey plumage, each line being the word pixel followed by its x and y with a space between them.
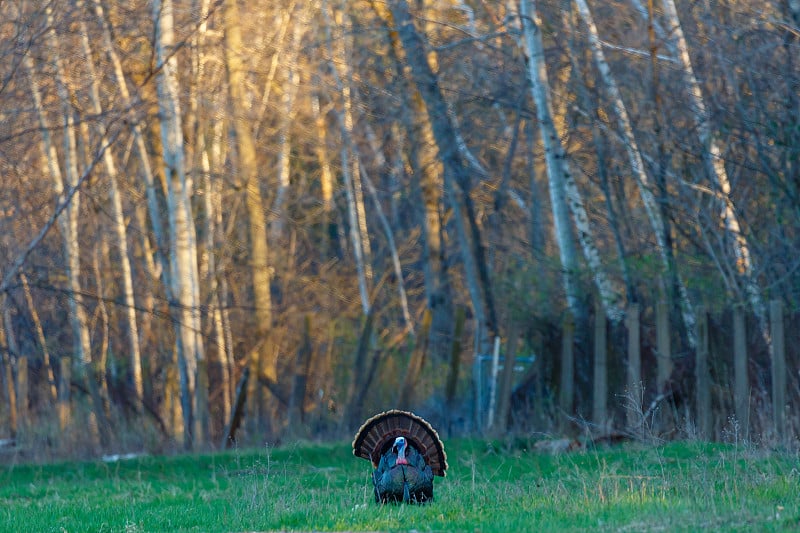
pixel 406 453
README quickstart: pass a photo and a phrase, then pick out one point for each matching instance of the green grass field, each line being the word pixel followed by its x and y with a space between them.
pixel 678 487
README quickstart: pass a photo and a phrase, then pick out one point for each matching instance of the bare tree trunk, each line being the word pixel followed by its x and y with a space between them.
pixel 146 165
pixel 37 324
pixel 381 163
pixel 298 19
pixel 637 164
pixel 8 372
pixel 263 361
pixel 296 412
pixel 69 219
pixel 118 218
pixel 715 165
pixel 326 180
pixel 82 343
pixel 563 189
pixel 183 256
pixel 100 363
pixel 355 390
pixel 456 167
pixel 351 173
pixel 429 171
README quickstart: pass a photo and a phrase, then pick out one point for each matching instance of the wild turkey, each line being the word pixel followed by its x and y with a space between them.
pixel 406 453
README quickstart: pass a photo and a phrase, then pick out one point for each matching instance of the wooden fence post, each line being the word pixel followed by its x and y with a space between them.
pixel 11 394
pixel 634 375
pixel 703 378
pixel 778 354
pixel 566 390
pixel 664 363
pixel 741 381
pixel 600 396
pixel 506 382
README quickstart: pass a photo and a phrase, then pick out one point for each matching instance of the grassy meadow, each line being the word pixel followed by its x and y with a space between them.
pixel 490 487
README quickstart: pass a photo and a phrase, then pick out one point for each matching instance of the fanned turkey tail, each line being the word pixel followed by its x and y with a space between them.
pixel 377 435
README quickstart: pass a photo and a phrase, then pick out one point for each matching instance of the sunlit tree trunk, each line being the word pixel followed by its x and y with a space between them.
pixel 183 256
pixel 118 222
pixel 141 149
pixel 47 365
pixel 326 179
pixel 457 167
pixel 350 165
pixel 263 360
pixel 68 220
pixel 69 225
pixel 155 260
pixel 554 154
pixel 298 19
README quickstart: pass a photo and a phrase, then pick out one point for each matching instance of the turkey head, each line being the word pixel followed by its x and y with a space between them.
pixel 406 453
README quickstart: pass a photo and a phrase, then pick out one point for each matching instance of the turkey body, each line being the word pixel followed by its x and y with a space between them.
pixel 406 453
pixel 411 482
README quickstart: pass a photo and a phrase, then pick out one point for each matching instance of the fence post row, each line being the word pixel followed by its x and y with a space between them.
pixel 566 390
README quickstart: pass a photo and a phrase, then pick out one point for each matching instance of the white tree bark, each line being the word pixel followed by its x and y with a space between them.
pixel 563 189
pixel 350 164
pixel 118 218
pixel 299 23
pixel 712 156
pixel 326 181
pixel 635 158
pixel 381 163
pixel 141 148
pixel 183 255
pixel 69 223
pixel 715 166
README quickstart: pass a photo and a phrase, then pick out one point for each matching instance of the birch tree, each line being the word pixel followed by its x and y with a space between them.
pixel 155 261
pixel 564 193
pixel 69 226
pixel 636 162
pixel 715 166
pixel 66 186
pixel 184 276
pixel 297 19
pixel 118 218
pixel 712 157
pixel 351 174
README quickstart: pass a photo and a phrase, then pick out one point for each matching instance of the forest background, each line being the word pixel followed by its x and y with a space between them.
pixel 344 206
